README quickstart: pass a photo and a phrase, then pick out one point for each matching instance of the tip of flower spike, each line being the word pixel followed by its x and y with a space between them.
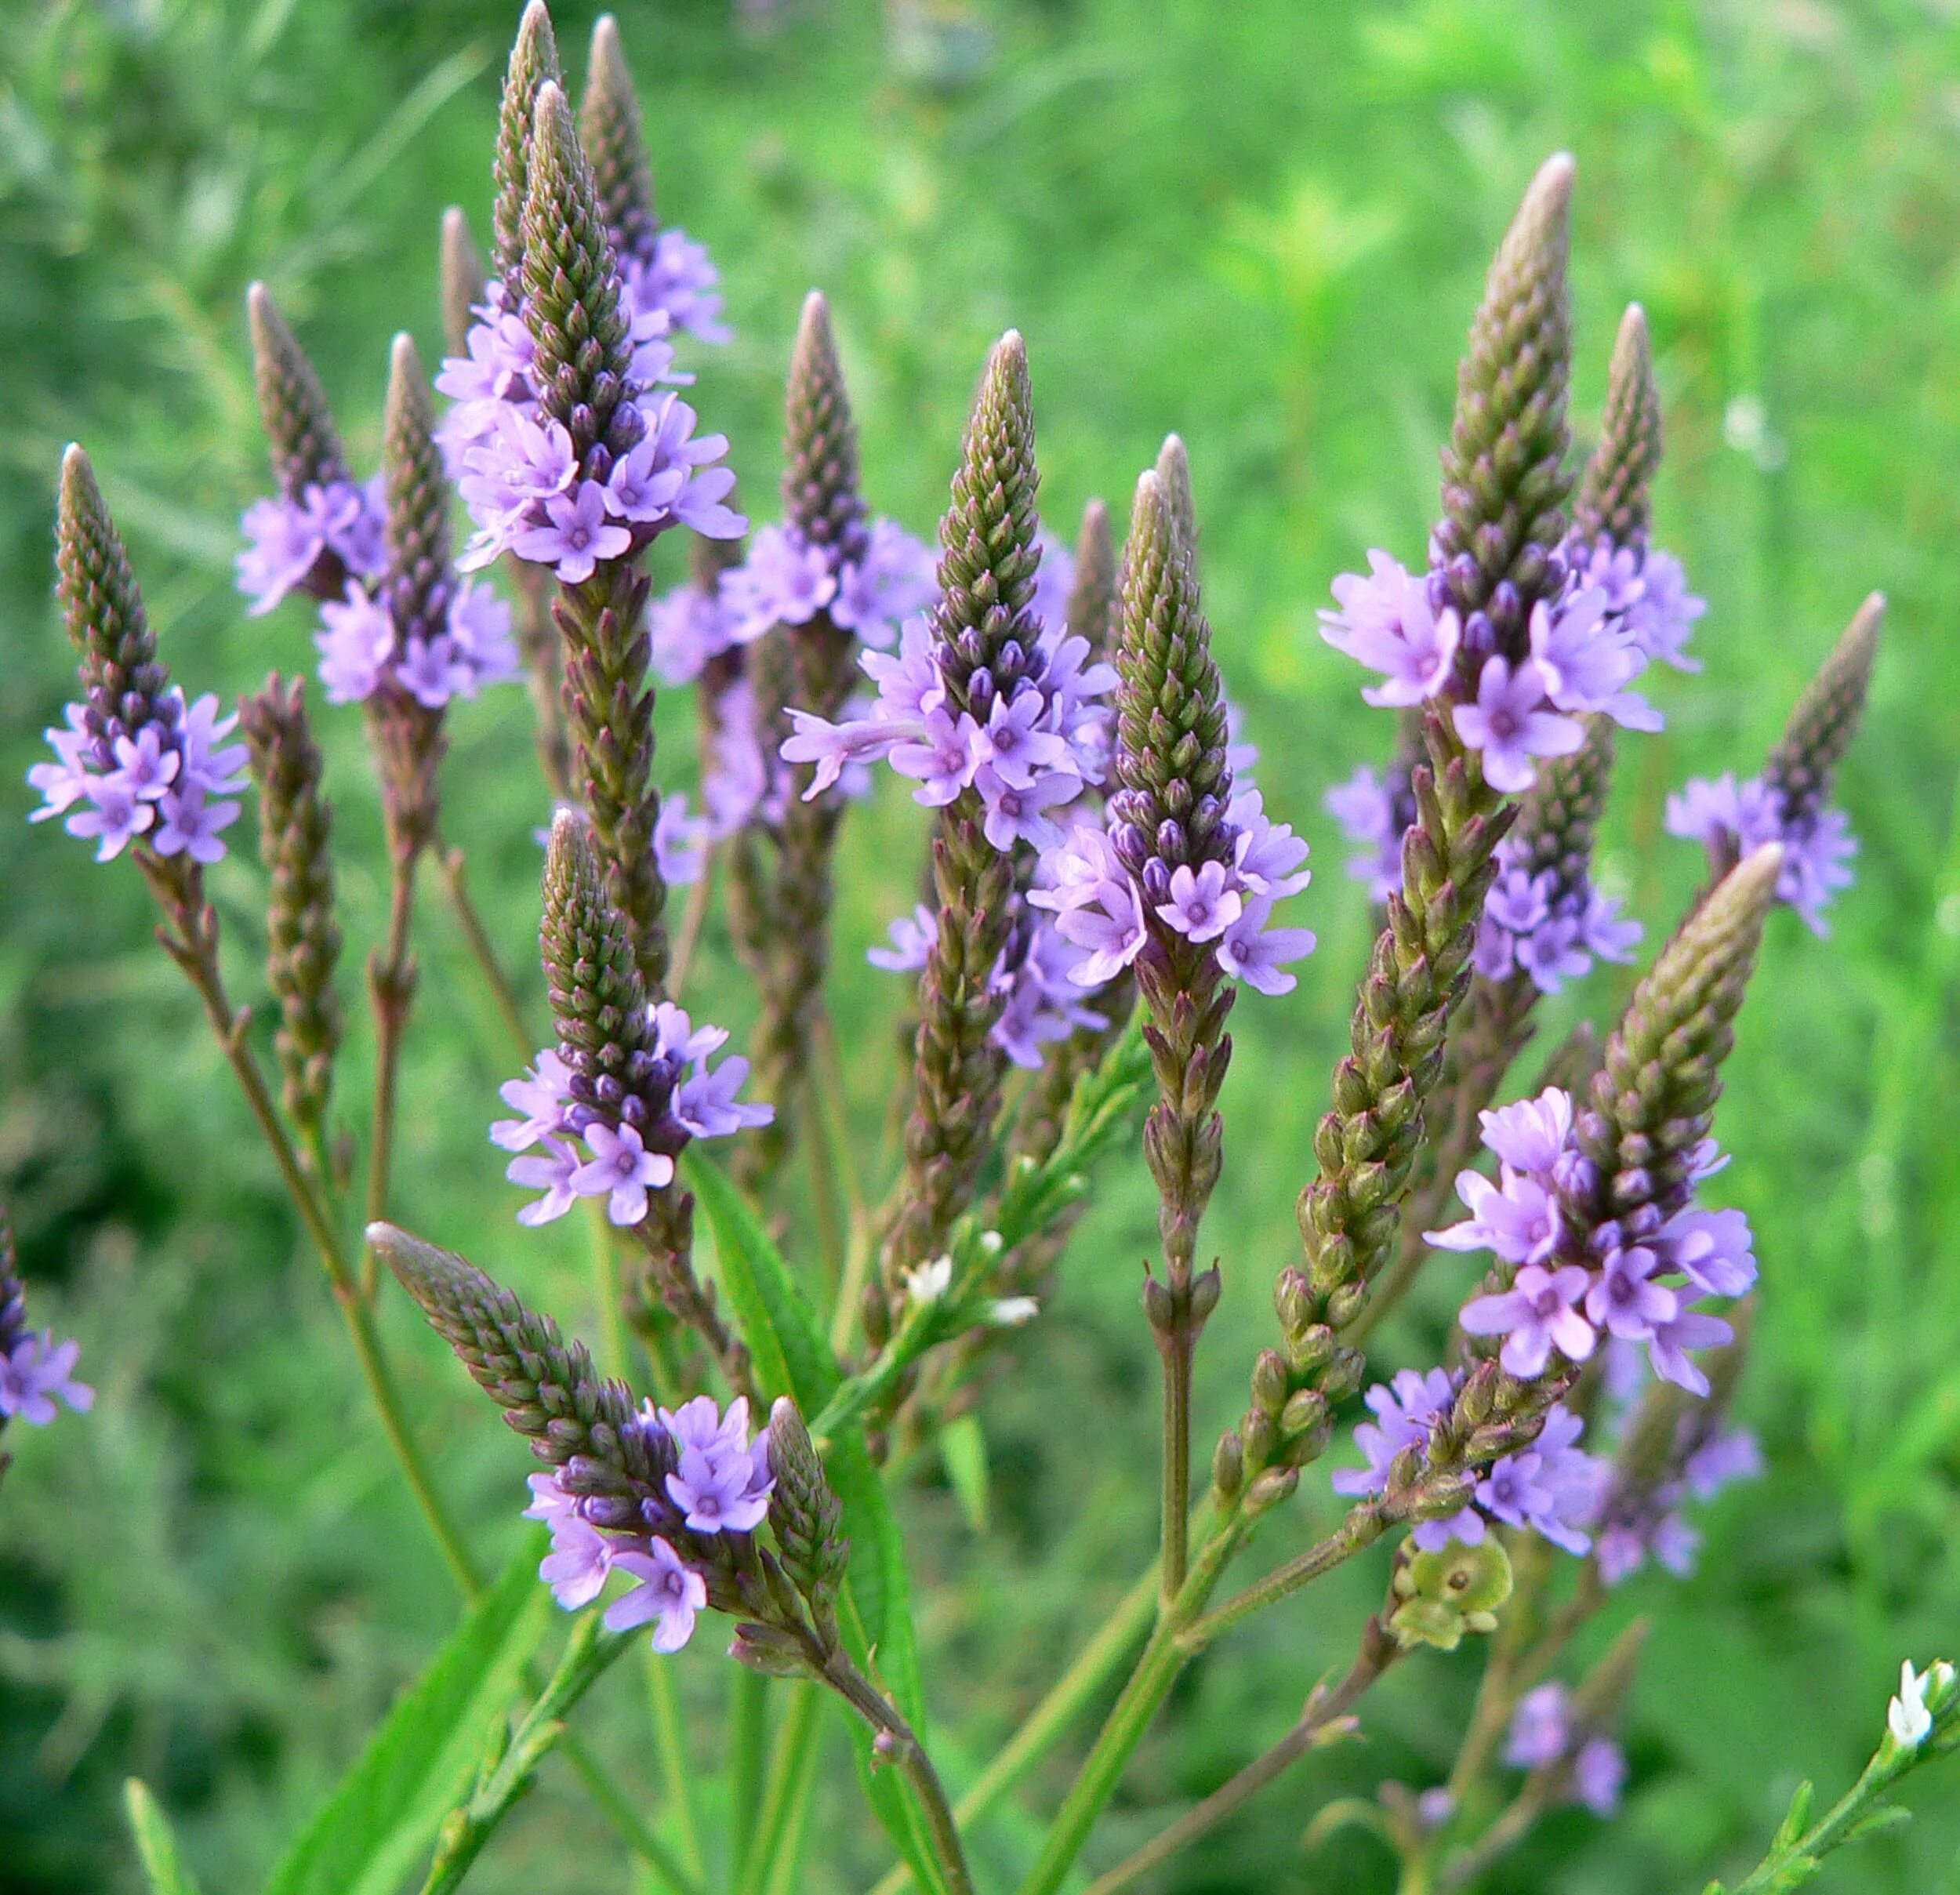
pixel 1007 374
pixel 609 72
pixel 1860 640
pixel 75 467
pixel 1632 346
pixel 535 25
pixel 1174 469
pixel 271 337
pixel 813 325
pixel 1540 223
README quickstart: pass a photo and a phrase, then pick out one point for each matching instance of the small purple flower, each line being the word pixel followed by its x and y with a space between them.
pixel 1251 951
pixel 574 534
pixel 705 1102
pixel 1386 623
pixel 639 489
pixel 621 1169
pixel 35 1374
pixel 1266 856
pixel 191 826
pixel 1096 905
pixel 1603 932
pixel 784 581
pixel 1509 726
pixel 1731 1456
pixel 1541 1729
pixel 1533 1135
pixel 65 782
pixel 1587 657
pixel 1538 1314
pixel 716 1493
pixel 667 1590
pixel 115 817
pixel 1366 813
pixel 146 764
pixel 1713 1249
pixel 1550 954
pixel 1405 1410
pixel 1598 1774
pixel 681 841
pixel 1625 1301
pixel 1201 906
pixel 1516 1218
pixel 1662 619
pixel 554 1170
pixel 540 1095
pixel 1016 812
pixel 912 937
pixel 1014 742
pixel 580 1559
pixel 431 672
pixel 355 648
pixel 1667 1348
pixel 942 758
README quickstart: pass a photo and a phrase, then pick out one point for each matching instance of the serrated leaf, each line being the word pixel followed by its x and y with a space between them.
pixel 792 1355
pixel 381 1821
pixel 963 1446
pixel 156 1841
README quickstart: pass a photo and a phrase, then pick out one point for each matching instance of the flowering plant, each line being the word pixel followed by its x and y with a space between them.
pixel 1103 879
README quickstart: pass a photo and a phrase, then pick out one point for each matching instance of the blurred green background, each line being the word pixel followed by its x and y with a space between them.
pixel 1263 222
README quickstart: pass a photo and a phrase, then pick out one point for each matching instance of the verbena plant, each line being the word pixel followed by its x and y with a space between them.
pixel 1102 880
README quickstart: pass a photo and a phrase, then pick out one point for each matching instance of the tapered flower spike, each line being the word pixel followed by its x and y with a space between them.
pixel 583 357
pixel 1800 768
pixel 609 126
pixel 811 665
pixel 806 1515
pixel 1174 470
pixel 988 557
pixel 1504 482
pixel 1615 492
pixel 464 279
pixel 1653 1101
pixel 1093 600
pixel 295 835
pixel 598 1001
pixel 534 59
pixel 292 406
pixel 104 611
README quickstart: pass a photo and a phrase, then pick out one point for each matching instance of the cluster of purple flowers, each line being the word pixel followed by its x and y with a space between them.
pixel 291 540
pixel 1101 907
pixel 788 580
pixel 1546 926
pixel 1585 649
pixel 1542 1734
pixel 1733 819
pixel 35 1373
pixel 719 1483
pixel 159 773
pixel 1633 1279
pixel 1551 1488
pixel 360 653
pixel 673 272
pixel 630 1145
pixel 530 490
pixel 1375 812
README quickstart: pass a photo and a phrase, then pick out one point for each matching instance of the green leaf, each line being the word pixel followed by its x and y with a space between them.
pixel 792 1355
pixel 1796 1822
pixel 156 1841
pixel 963 1446
pixel 1886 1816
pixel 377 1825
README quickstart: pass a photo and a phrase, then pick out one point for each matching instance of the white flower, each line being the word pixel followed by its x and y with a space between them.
pixel 1906 1717
pixel 1011 1312
pixel 930 1281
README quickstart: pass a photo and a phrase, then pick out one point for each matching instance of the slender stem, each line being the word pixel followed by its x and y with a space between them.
pixel 1043 1727
pixel 677 1763
pixel 902 1748
pixel 1323 1710
pixel 614 1357
pixel 789 1848
pixel 1163 1657
pixel 833 1238
pixel 612 1805
pixel 502 994
pixel 1176 1349
pixel 788 1779
pixel 748 1743
pixel 1362 1528
pixel 1504 1833
pixel 693 917
pixel 391 984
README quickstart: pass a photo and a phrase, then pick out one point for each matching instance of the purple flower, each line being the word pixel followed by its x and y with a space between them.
pixel 555 1172
pixel 209 763
pixel 65 782
pixel 1588 658
pixel 431 674
pixel 681 841
pixel 1550 954
pixel 675 274
pixel 942 758
pixel 480 631
pixel 639 489
pixel 1625 1301
pixel 355 648
pixel 1516 1218
pixel 287 538
pixel 1535 1315
pixel 895 579
pixel 540 1095
pixel 717 1494
pixel 574 535
pixel 1519 900
pixel 191 826
pixel 912 937
pixel 1201 907
pixel 576 1567
pixel 705 1102
pixel 784 581
pixel 115 817
pixel 1731 1456
pixel 1662 619
pixel 1014 742
pixel 1667 1348
pixel 1096 905
pixel 1533 1136
pixel 1598 1774
pixel 1014 811
pixel 35 1374
pixel 1509 726
pixel 1386 623
pixel 621 1169
pixel 146 764
pixel 1252 952
pixel 1713 1249
pixel 1405 1410
pixel 1366 813
pixel 1603 932
pixel 1539 1728
pixel 1265 856
pixel 667 1590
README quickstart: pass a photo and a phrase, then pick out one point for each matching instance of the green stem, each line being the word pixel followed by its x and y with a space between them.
pixel 676 1762
pixel 1176 1349
pixel 783 1879
pixel 693 917
pixel 502 994
pixel 391 986
pixel 1362 1528
pixel 748 1744
pixel 785 1793
pixel 1067 1699
pixel 1324 1709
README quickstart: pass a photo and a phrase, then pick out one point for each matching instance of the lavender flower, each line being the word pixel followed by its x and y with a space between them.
pixel 143 766
pixel 666 1593
pixel 1374 813
pixel 36 1372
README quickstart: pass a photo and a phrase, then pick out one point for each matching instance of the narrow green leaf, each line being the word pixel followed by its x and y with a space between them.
pixel 1796 1821
pixel 381 1820
pixel 156 1841
pixel 963 1446
pixel 1886 1816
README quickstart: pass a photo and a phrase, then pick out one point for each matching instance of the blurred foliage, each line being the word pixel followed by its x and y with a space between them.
pixel 1263 223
